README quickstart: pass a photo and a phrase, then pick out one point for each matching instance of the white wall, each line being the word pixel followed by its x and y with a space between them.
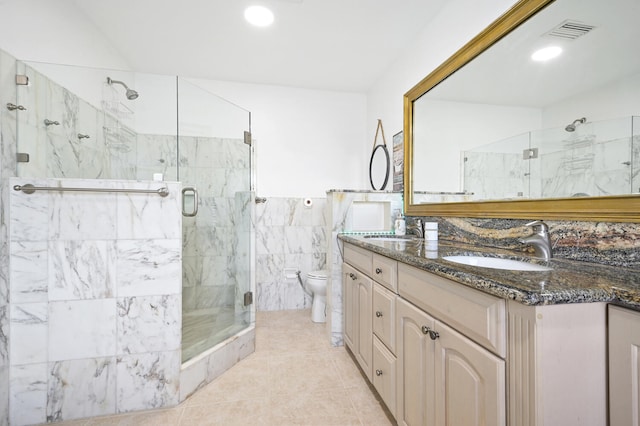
pixel 475 125
pixel 616 100
pixel 56 32
pixel 457 23
pixel 307 141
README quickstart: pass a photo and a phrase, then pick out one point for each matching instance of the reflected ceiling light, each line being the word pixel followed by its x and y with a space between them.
pixel 546 53
pixel 259 16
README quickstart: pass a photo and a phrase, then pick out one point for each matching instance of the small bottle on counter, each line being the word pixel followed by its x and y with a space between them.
pixel 400 225
pixel 431 231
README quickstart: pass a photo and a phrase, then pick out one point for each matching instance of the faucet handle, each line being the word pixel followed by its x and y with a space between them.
pixel 538 226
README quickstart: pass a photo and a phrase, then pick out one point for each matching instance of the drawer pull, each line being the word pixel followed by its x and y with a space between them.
pixel 378 314
pixel 432 333
pixel 378 372
pixel 378 271
pixel 352 275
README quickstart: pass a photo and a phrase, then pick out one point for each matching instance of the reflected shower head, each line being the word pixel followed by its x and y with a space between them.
pixel 572 127
pixel 131 94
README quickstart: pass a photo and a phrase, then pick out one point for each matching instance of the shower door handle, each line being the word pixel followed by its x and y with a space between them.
pixel 189 190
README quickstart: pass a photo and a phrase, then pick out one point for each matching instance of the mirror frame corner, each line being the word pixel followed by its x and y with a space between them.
pixel 620 208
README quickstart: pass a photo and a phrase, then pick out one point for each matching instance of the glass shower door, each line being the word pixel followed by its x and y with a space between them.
pixel 216 162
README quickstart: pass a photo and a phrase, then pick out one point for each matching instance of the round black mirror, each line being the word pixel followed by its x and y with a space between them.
pixel 379 167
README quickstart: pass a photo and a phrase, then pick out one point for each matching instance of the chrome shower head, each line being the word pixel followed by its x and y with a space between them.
pixel 130 94
pixel 572 127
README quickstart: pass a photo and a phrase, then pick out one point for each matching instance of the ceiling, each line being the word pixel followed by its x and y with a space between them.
pixel 343 45
pixel 505 75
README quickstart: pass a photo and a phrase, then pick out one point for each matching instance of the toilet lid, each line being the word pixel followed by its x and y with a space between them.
pixel 317 274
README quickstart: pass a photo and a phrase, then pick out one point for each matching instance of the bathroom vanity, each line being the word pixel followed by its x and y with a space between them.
pixel 445 343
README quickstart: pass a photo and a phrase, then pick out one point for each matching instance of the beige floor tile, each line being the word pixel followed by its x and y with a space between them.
pixel 248 379
pixel 369 407
pixel 295 377
pixel 283 341
pixel 303 373
pixel 245 412
pixel 314 408
pixel 347 368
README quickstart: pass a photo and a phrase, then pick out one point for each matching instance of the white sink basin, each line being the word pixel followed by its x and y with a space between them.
pixel 496 263
pixel 389 237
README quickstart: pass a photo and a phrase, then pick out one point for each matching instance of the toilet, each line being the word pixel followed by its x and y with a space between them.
pixel 317 284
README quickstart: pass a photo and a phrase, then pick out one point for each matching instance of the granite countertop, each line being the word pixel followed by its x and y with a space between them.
pixel 569 281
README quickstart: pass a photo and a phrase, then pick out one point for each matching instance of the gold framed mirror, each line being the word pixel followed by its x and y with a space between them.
pixel 610 208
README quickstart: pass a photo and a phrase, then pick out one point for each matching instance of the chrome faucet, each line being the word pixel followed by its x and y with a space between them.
pixel 416 228
pixel 539 240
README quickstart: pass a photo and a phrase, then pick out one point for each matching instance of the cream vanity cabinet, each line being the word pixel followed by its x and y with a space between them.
pixel 466 357
pixel 369 317
pixel 444 377
pixel 624 363
pixel 357 307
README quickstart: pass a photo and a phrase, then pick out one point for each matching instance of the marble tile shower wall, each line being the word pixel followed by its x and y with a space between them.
pixel 583 166
pixel 57 150
pixel 594 168
pixel 292 236
pixel 494 175
pixel 7 167
pixel 95 312
pixel 217 167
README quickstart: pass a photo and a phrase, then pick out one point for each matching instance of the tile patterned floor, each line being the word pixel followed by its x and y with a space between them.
pixel 294 378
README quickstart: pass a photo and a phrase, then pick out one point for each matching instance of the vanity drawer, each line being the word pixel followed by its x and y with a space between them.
pixel 385 271
pixel 384 314
pixel 479 316
pixel 384 374
pixel 358 257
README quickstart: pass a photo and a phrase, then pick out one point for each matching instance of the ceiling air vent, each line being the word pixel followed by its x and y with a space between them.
pixel 570 30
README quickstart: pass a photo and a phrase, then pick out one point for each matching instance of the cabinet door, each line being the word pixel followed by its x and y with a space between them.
pixel 624 366
pixel 349 277
pixel 415 404
pixel 469 382
pixel 363 324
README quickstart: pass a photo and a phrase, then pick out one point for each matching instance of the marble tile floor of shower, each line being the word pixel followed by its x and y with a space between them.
pixel 204 328
pixel 294 377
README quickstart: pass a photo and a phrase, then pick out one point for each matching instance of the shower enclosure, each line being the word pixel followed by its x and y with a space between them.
pixel 584 158
pixel 161 282
pixel 216 261
pixel 171 130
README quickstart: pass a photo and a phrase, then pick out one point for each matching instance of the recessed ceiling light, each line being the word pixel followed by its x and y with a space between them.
pixel 259 16
pixel 546 53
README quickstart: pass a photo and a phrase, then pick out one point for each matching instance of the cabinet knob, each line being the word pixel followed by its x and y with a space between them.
pixel 432 333
pixel 378 372
pixel 352 275
pixel 378 314
pixel 378 271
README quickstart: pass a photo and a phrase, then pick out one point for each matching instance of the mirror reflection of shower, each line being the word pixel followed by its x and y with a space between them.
pixel 130 94
pixel 572 127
